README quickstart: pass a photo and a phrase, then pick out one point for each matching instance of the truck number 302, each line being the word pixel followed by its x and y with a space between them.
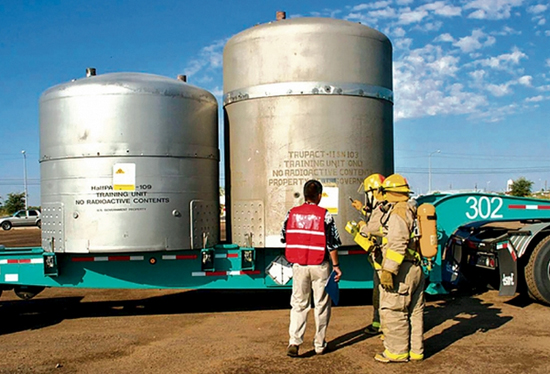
pixel 484 207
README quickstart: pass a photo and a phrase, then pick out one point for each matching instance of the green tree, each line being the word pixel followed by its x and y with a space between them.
pixel 14 202
pixel 521 187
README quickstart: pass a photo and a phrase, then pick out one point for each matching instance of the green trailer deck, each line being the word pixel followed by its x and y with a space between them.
pixel 228 266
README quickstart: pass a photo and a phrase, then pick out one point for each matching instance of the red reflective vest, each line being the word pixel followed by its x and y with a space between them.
pixel 305 235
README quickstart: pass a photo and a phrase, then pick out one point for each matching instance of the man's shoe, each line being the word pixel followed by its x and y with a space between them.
pixel 322 351
pixel 372 330
pixel 292 351
pixel 381 357
pixel 415 356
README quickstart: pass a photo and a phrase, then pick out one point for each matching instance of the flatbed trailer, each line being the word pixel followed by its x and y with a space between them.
pixel 224 266
pixel 515 247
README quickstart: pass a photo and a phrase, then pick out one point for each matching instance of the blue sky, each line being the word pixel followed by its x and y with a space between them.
pixel 471 78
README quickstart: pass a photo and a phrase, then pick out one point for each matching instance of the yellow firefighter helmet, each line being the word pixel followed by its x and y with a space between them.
pixel 396 188
pixel 373 184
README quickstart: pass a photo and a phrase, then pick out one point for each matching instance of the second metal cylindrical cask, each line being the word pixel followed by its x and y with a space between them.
pixel 304 98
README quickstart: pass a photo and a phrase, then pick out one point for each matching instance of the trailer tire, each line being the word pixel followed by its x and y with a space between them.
pixel 537 272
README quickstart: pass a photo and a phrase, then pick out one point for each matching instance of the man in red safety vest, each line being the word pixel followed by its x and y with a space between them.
pixel 311 238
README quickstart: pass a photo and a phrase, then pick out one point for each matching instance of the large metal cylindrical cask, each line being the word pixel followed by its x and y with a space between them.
pixel 304 98
pixel 129 163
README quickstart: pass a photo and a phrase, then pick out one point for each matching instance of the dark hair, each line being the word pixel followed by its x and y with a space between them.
pixel 312 189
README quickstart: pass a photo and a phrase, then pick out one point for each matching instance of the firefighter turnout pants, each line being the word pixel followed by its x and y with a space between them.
pixel 305 279
pixel 402 314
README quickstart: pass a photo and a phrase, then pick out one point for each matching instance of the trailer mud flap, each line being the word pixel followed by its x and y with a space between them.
pixel 508 267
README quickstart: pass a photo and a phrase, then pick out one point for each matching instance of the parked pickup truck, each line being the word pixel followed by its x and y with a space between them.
pixel 22 218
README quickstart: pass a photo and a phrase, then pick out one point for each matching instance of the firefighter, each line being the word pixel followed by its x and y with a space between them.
pixel 311 240
pixel 401 278
pixel 375 213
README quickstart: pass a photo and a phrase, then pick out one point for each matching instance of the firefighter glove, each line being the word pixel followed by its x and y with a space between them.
pixel 386 280
pixel 357 205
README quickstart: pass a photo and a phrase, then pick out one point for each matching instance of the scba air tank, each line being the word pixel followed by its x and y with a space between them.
pixel 304 98
pixel 129 163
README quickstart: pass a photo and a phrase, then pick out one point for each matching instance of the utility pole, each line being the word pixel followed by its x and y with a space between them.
pixel 25 180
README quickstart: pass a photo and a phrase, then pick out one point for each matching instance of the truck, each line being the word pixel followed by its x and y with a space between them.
pixel 130 170
pixel 499 239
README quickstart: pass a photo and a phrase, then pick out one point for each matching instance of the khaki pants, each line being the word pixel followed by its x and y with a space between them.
pixel 304 280
pixel 402 313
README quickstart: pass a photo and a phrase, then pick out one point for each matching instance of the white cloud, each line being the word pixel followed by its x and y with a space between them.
pixel 499 90
pixel 504 61
pixel 471 43
pixel 446 65
pixel 478 14
pixel 444 38
pixel 536 9
pixel 429 26
pixel 375 5
pixel 496 113
pixel 409 16
pixel 354 16
pixel 525 80
pixel 402 43
pixel 442 9
pixel 506 30
pixel 542 22
pixel 209 58
pixel 491 9
pixel 534 99
pixel 383 13
pixel 398 32
pixel 360 7
pixel 477 74
pixel 332 13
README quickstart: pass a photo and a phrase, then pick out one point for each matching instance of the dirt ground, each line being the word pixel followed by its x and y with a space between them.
pixel 160 331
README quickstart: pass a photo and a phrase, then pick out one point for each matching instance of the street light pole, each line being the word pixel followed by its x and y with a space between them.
pixel 25 165
pixel 430 169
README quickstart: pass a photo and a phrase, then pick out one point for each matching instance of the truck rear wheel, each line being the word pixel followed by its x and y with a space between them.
pixel 537 272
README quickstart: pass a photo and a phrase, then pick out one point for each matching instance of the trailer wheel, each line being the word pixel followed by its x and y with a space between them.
pixel 27 292
pixel 537 272
pixel 6 225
